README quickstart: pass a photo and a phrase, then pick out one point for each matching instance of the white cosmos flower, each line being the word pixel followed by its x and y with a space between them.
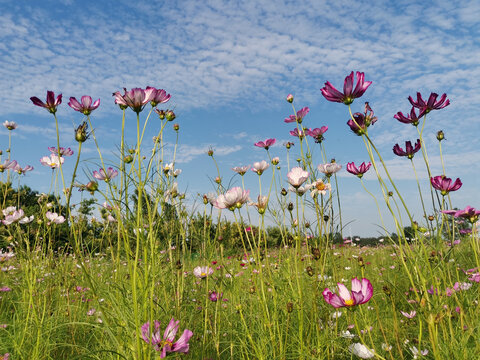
pixel 361 351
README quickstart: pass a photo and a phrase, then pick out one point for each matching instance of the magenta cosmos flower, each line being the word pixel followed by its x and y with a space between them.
pixel 135 99
pixel 362 169
pixel 431 104
pixel 317 133
pixel 469 213
pixel 265 144
pixel 410 119
pixel 299 117
pixel 232 199
pixel 409 149
pixel 297 176
pixel 444 184
pixel 347 97
pixel 85 107
pixel 300 134
pixel 361 292
pixel 51 103
pixel 361 122
pixel 166 343
pixel 102 175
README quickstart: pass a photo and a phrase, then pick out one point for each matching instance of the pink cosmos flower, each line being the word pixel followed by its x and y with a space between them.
pixel 135 98
pixel 102 175
pixel 86 106
pixel 5 289
pixel 297 176
pixel 329 169
pixel 410 119
pixel 7 165
pixel 166 343
pixel 202 271
pixel 10 125
pixel 431 104
pixel 319 187
pixel 265 144
pixel 54 218
pixel 317 133
pixel 444 184
pixel 12 216
pixel 361 122
pixel 361 292
pixel 409 315
pixel 63 151
pixel 469 213
pixel 51 103
pixel 53 161
pixel 260 167
pixel 261 204
pixel 159 96
pixel 362 169
pixel 409 149
pixel 347 97
pixel 21 171
pixel 299 117
pixel 300 134
pixel 241 169
pixel 232 199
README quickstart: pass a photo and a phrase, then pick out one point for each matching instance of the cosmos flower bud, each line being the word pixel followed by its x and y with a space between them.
pixel 290 206
pixel 316 253
pixel 176 127
pixel 390 193
pixel 431 218
pixel 161 114
pixel 170 115
pixel 290 98
pixel 440 135
pixel 310 271
pixel 325 218
pixel 275 160
pixel 81 132
pixel 289 307
pixel 218 180
pixel 387 290
pixel 284 192
pixel 92 186
pixel 128 159
pixel 210 152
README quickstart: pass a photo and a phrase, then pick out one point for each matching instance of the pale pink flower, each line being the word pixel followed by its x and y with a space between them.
pixel 105 175
pixel 297 176
pixel 241 169
pixel 202 271
pixel 409 315
pixel 54 218
pixel 260 167
pixel 52 161
pixel 21 171
pixel 232 199
pixel 63 151
pixel 319 187
pixel 329 169
pixel 7 164
pixel 10 125
pixel 13 216
pixel 159 96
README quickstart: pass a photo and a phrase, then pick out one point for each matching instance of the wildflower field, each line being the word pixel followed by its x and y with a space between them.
pixel 157 277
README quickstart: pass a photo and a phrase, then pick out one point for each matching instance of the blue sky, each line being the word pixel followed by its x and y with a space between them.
pixel 229 65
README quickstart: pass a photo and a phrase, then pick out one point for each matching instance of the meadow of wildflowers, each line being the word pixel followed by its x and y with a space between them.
pixel 157 278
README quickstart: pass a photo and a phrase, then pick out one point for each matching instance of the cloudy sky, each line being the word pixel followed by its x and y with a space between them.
pixel 229 65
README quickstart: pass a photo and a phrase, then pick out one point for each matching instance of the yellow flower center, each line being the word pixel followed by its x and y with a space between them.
pixel 203 274
pixel 349 302
pixel 320 186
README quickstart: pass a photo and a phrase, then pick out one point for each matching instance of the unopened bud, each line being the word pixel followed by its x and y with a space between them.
pixel 170 115
pixel 252 290
pixel 360 262
pixel 210 152
pixel 178 264
pixel 92 186
pixel 161 114
pixel 387 290
pixel 218 180
pixel 290 206
pixel 325 218
pixel 284 192
pixel 440 135
pixel 176 127
pixel 81 132
pixel 316 253
pixel 290 98
pixel 310 271
pixel 431 218
pixel 128 159
pixel 275 161
pixel 390 193
pixel 289 307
